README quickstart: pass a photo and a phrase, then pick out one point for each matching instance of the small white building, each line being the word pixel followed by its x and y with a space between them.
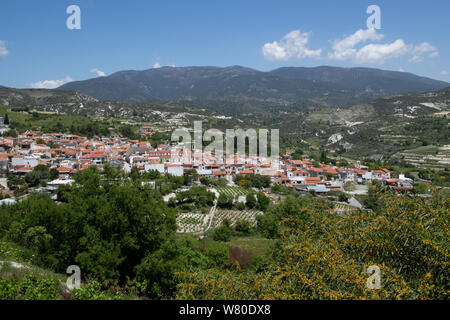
pixel 53 185
pixel 177 171
pixel 29 161
pixel 155 166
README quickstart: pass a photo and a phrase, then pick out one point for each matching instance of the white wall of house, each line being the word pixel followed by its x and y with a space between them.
pixel 204 172
pixel 24 162
pixel 40 147
pixel 155 166
pixel 175 171
pixel 368 175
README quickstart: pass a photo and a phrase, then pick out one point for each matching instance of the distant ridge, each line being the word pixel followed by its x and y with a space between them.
pixel 284 85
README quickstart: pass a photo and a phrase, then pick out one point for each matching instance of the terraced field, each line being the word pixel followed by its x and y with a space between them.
pixel 191 222
pixel 234 216
pixel 233 191
pixel 427 157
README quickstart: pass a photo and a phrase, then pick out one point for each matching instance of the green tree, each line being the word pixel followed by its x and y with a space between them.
pixel 225 201
pixel 39 173
pixel 373 200
pixel 152 175
pixel 217 253
pixel 10 133
pixel 250 200
pixel 263 201
pixel 158 268
pixel 224 232
pixel 135 174
pixel 106 227
pixel 190 176
pixel 243 227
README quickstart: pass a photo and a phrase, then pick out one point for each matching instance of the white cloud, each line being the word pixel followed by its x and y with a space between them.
pixel 98 72
pixel 371 53
pixel 50 84
pixel 423 49
pixel 379 53
pixel 401 70
pixel 292 46
pixel 158 64
pixel 444 72
pixel 3 51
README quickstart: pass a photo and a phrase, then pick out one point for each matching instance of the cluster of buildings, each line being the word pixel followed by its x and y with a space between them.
pixel 305 176
pixel 69 153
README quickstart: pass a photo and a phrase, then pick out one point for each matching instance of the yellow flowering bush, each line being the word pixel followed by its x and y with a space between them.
pixel 320 255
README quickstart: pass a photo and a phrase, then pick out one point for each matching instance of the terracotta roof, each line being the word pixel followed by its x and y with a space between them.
pixel 25 169
pixel 167 165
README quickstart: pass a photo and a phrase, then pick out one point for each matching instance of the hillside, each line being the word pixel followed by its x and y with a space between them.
pixel 22 97
pixel 412 128
pixel 75 103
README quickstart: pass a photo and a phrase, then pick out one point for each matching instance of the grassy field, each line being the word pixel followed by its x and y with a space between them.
pixel 255 245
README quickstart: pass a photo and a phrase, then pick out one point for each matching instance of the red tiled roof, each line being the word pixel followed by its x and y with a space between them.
pixel 24 168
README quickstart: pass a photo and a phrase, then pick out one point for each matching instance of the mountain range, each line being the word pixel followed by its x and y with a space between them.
pixel 236 90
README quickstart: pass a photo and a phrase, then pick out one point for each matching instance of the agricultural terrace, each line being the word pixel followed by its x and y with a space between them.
pixel 191 222
pixel 235 216
pixel 233 191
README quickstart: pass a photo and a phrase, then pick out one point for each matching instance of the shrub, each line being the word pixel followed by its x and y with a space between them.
pixel 250 200
pixel 243 227
pixel 217 252
pixel 321 255
pixel 224 232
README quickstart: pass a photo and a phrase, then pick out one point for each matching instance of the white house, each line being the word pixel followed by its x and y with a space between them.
pixel 155 166
pixel 29 161
pixel 177 171
pixel 53 185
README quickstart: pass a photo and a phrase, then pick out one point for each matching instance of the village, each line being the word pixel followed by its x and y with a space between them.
pixel 69 153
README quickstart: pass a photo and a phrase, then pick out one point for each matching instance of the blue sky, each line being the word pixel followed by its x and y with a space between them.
pixel 37 49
